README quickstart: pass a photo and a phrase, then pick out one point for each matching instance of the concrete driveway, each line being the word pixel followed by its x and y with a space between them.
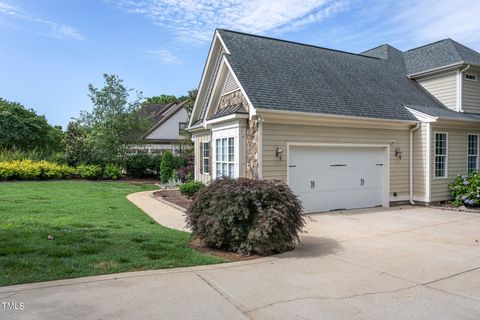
pixel 400 263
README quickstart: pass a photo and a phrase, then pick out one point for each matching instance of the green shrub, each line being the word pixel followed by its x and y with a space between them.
pixel 167 166
pixel 112 172
pixel 31 170
pixel 137 165
pixel 154 164
pixel 189 189
pixel 465 190
pixel 247 216
pixel 89 171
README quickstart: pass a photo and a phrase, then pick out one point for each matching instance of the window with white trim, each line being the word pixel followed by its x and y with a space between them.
pixel 470 76
pixel 206 157
pixel 182 128
pixel 225 157
pixel 441 149
pixel 472 152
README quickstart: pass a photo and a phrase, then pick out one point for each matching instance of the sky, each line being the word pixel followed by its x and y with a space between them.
pixel 50 50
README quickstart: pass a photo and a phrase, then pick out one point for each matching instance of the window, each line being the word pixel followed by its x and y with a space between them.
pixel 471 77
pixel 441 145
pixel 206 157
pixel 225 157
pixel 472 152
pixel 181 128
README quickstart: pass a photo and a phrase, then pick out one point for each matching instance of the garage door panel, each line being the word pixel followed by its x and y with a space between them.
pixel 328 178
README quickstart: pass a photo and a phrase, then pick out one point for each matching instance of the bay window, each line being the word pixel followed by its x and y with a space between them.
pixel 225 157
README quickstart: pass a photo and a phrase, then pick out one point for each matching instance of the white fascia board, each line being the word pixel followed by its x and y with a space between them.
pixel 214 88
pixel 435 70
pixel 202 79
pixel 266 112
pixel 251 109
pixel 421 116
pixel 231 117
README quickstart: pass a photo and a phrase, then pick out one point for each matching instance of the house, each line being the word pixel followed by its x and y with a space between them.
pixel 344 130
pixel 168 131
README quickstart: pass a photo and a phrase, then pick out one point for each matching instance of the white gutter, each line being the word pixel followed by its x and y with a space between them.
pixel 411 163
pixel 460 88
pixel 260 147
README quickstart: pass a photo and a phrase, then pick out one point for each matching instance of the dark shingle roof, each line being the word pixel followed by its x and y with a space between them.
pixel 284 75
pixel 232 109
pixel 439 54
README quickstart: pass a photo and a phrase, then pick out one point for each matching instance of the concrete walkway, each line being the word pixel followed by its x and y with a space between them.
pixel 160 212
pixel 400 263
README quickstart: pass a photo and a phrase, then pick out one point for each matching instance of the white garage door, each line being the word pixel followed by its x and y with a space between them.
pixel 330 178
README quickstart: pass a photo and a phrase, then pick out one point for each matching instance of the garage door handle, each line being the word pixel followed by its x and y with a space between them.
pixel 312 184
pixel 292 166
pixel 362 182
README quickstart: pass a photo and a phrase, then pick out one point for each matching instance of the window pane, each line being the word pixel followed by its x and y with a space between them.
pixel 219 170
pixel 224 149
pixel 206 168
pixel 218 144
pixel 231 170
pixel 224 170
pixel 231 150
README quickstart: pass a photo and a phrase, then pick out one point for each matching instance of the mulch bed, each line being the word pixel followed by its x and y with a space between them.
pixel 198 245
pixel 174 196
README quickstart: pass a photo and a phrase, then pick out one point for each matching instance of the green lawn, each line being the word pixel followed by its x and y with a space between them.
pixel 96 231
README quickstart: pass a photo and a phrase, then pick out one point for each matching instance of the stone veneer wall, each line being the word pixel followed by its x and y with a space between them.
pixel 252 149
pixel 232 98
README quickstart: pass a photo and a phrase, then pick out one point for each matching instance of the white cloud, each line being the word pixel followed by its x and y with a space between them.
pixel 162 55
pixel 55 30
pixel 195 20
pixel 430 20
pixel 405 24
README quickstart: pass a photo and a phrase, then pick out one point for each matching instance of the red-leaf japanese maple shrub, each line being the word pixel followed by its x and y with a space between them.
pixel 246 216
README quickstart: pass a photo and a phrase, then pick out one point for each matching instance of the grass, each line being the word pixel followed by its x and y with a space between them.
pixel 96 231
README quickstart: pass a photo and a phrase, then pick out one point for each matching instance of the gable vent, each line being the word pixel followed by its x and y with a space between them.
pixel 230 84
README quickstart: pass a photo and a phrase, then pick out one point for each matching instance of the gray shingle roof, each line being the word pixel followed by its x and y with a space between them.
pixel 232 109
pixel 439 54
pixel 283 75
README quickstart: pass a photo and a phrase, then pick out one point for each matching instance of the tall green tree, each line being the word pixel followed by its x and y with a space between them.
pixel 161 99
pixel 24 129
pixel 114 116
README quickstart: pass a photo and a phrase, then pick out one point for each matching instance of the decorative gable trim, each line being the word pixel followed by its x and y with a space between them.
pixel 230 84
pixel 421 116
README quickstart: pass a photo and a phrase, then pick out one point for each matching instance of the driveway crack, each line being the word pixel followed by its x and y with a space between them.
pixel 334 298
pixel 223 294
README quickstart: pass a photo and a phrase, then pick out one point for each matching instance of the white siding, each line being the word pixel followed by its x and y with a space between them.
pixel 170 128
pixel 420 163
pixel 471 92
pixel 230 84
pixel 443 87
pixel 277 135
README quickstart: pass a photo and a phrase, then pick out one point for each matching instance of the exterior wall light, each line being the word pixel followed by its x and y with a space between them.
pixel 279 153
pixel 398 153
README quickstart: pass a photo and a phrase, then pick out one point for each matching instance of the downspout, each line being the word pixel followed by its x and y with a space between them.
pixel 260 147
pixel 460 88
pixel 411 163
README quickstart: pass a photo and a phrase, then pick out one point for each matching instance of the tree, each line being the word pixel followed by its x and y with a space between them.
pixel 76 149
pixel 166 166
pixel 23 129
pixel 161 99
pixel 192 96
pixel 109 126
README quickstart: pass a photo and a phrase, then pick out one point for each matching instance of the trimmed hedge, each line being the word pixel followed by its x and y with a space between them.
pixel 32 170
pixel 89 171
pixel 465 190
pixel 112 172
pixel 189 189
pixel 246 216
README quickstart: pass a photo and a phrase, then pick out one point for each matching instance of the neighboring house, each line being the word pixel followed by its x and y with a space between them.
pixel 168 133
pixel 343 130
